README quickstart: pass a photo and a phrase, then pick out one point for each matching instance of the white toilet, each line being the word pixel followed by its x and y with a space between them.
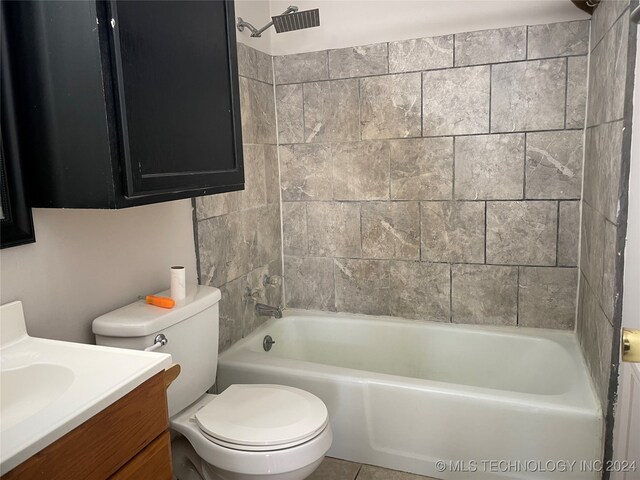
pixel 246 432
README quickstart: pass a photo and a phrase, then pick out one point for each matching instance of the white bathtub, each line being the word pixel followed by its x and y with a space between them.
pixel 410 395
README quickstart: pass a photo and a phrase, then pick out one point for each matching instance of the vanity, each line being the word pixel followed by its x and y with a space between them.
pixel 75 411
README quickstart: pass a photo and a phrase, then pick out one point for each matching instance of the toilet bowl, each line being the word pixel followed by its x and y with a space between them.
pixel 246 432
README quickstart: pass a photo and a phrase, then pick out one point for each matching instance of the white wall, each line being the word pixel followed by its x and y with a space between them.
pixel 345 23
pixel 87 262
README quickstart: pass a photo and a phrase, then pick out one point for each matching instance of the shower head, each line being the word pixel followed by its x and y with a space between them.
pixel 291 19
pixel 288 22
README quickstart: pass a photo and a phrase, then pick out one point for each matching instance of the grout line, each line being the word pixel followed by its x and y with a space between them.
pixel 557 233
pixel 524 170
pixel 566 90
pixel 453 171
pixel 518 297
pixel 490 94
pixel 421 104
pixel 454 51
pixel 450 293
pixel 485 233
pixel 526 43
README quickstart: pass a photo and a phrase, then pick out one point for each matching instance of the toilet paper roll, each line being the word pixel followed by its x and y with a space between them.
pixel 178 287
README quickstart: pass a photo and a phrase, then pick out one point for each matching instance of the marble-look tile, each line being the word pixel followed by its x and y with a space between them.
pixel 595 334
pixel 419 291
pixel 309 283
pixel 391 230
pixel 231 312
pixel 254 193
pixel 528 95
pixel 358 61
pixel 484 294
pixel 333 229
pixel 369 472
pixel 290 112
pixel 554 164
pixel 301 67
pixel 568 233
pixel 331 111
pixel 269 233
pixel 547 297
pixel 602 168
pixel 258 112
pixel 576 91
pixel 489 167
pixel 216 205
pixel 608 295
pixel 421 54
pixel 558 39
pixel 592 246
pixel 603 18
pixel 452 232
pixel 455 101
pixel 294 228
pixel 362 286
pixel 271 174
pixel 274 294
pixel 305 172
pixel 390 106
pixel 421 168
pixel 521 233
pixel 491 46
pixel 253 281
pixel 360 170
pixel 334 469
pixel 608 75
pixel 254 64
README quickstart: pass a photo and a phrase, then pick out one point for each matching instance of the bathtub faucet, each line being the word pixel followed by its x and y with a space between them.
pixel 263 310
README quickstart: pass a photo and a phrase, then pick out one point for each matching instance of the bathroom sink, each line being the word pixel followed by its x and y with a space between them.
pixel 50 387
pixel 27 390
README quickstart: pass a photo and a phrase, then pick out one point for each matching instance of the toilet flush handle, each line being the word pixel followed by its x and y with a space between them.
pixel 159 341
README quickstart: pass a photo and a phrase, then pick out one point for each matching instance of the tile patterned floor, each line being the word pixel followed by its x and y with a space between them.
pixel 334 469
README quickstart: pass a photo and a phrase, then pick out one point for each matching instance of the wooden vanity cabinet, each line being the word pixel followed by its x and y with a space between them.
pixel 127 440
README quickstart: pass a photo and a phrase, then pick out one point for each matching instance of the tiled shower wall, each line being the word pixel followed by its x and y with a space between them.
pixel 436 178
pixel 605 147
pixel 238 233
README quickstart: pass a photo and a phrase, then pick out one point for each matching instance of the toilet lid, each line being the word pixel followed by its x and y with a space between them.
pixel 274 416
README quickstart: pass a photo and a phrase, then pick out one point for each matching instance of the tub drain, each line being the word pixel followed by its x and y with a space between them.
pixel 267 343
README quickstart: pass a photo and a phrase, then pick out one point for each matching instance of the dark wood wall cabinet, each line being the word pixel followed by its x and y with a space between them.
pixel 124 103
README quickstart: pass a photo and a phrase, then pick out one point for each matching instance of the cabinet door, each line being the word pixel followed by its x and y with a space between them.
pixel 175 76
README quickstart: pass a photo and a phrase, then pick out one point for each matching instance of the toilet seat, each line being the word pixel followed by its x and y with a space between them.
pixel 260 418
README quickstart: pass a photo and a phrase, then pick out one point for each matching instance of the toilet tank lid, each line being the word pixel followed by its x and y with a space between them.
pixel 139 319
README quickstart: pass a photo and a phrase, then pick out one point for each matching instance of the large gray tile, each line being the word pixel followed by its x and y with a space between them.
pixel 254 64
pixel 333 229
pixel 576 91
pixel 334 469
pixel 369 472
pixel 362 286
pixel 484 294
pixel 258 112
pixel 608 75
pixel 216 205
pixel 421 54
pixel 360 170
pixel 489 167
pixel 568 233
pixel 391 230
pixel 455 101
pixel 491 46
pixel 309 283
pixel 390 106
pixel 231 313
pixel 521 233
pixel 554 164
pixel 558 39
pixel 271 174
pixel 254 193
pixel 331 111
pixel 602 168
pixel 604 17
pixel 302 67
pixel 294 229
pixel 528 95
pixel 419 290
pixel 452 232
pixel 358 61
pixel 305 172
pixel 547 297
pixel 608 295
pixel 290 113
pixel 592 246
pixel 421 168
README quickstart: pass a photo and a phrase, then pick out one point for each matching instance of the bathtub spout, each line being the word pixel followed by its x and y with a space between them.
pixel 263 310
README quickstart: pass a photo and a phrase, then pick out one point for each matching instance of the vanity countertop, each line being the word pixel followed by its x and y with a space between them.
pixel 49 387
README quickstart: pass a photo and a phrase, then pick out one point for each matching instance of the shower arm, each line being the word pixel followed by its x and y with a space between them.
pixel 255 32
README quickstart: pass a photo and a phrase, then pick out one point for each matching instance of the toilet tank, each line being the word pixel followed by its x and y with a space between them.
pixel 191 328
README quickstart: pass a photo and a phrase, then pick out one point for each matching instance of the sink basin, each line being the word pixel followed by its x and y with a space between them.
pixel 27 390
